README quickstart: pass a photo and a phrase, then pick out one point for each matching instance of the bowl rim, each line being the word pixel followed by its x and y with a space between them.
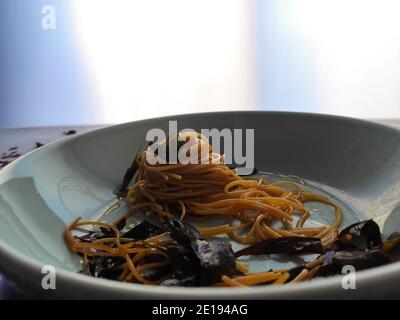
pixel 32 265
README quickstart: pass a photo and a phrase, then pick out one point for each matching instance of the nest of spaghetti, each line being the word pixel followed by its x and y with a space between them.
pixel 254 209
pixel 266 217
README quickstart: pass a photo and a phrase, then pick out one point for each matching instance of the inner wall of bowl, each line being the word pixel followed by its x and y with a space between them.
pixel 48 189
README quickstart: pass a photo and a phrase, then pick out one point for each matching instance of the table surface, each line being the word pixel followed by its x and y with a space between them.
pixel 25 140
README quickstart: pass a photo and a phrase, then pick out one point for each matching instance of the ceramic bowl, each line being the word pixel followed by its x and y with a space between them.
pixel 355 161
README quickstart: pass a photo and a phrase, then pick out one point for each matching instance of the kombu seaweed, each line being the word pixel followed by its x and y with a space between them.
pixel 360 235
pixel 107 267
pixel 360 246
pixel 215 257
pixel 142 231
pixel 283 245
pixel 196 261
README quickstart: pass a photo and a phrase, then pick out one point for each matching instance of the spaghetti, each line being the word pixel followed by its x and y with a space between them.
pixel 216 190
pixel 254 210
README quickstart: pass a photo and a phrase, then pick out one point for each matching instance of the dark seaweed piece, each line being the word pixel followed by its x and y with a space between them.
pixel 360 235
pixel 212 253
pixel 39 144
pixel 283 245
pixel 107 267
pixel 92 236
pixel 215 256
pixel 107 232
pixel 121 224
pixel 69 132
pixel 294 272
pixel 216 259
pixel 128 176
pixel 104 267
pixel 89 237
pixel 182 231
pixel 143 231
pixel 359 259
pixel 185 267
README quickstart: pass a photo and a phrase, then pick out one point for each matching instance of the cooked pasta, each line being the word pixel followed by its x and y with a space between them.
pixel 216 190
pixel 254 210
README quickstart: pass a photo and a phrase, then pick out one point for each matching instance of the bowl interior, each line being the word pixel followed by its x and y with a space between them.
pixel 356 162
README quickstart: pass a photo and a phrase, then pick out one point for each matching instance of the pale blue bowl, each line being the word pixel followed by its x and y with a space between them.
pixel 44 190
